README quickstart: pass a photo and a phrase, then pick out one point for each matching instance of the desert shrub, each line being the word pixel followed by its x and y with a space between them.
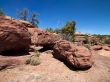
pixel 68 31
pixel 34 60
pixel 103 39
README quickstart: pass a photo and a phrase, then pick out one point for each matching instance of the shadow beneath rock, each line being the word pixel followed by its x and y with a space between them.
pixel 15 53
pixel 73 68
pixel 45 48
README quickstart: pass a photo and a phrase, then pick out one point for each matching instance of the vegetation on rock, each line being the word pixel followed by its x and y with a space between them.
pixel 34 60
pixel 24 15
pixel 67 32
pixel 103 39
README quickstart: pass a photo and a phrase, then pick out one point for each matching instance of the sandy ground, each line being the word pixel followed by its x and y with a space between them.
pixel 53 70
pixel 104 53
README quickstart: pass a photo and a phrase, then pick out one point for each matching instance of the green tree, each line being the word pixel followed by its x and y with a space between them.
pixel 2 13
pixel 68 30
pixel 23 15
pixel 34 20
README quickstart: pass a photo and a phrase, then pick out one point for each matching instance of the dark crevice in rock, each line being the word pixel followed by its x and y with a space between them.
pixel 46 48
pixel 14 53
pixel 3 67
pixel 73 68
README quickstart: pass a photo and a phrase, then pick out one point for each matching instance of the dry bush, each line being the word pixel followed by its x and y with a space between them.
pixel 34 60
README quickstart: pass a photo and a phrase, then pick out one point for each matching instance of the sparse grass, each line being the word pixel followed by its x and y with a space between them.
pixel 34 60
pixel 87 46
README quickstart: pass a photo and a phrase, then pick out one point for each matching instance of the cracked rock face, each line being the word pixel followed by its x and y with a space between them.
pixel 43 38
pixel 14 35
pixel 77 56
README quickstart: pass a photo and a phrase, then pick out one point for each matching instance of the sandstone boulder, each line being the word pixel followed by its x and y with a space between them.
pixel 14 35
pixel 43 38
pixel 77 56
pixel 47 39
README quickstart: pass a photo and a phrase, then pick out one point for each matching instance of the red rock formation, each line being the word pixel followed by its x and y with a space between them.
pixel 47 39
pixel 34 35
pixel 14 35
pixel 77 56
pixel 43 38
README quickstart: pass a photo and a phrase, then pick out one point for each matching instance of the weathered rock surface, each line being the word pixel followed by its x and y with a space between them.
pixel 14 35
pixel 47 39
pixel 43 38
pixel 77 56
pixel 34 35
pixel 11 62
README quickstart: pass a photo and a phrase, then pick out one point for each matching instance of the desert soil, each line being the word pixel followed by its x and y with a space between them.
pixel 104 53
pixel 53 70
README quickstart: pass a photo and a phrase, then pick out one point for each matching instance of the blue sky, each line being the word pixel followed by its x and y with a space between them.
pixel 91 16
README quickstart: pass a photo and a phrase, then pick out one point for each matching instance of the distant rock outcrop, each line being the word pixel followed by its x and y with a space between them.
pixel 13 35
pixel 77 56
